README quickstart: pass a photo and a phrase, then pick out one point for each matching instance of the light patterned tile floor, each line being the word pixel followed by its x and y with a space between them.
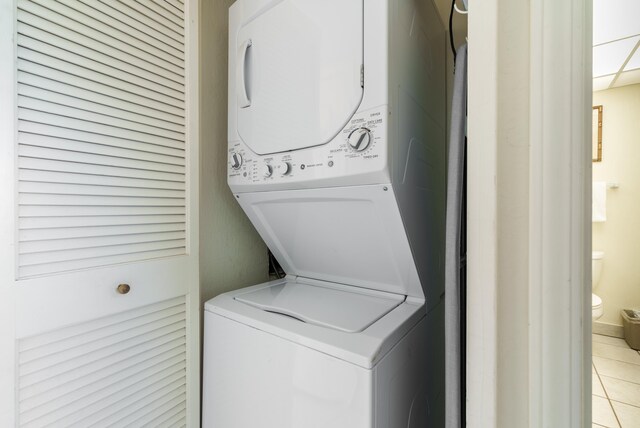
pixel 615 383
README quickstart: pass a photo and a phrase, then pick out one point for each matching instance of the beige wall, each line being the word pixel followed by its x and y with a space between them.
pixel 232 255
pixel 619 236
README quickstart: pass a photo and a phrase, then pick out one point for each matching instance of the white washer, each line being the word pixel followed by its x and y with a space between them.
pixel 304 353
pixel 337 122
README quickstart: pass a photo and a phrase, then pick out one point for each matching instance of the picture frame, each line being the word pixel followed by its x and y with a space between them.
pixel 596 136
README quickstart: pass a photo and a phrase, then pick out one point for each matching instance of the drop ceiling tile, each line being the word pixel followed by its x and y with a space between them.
pixel 602 83
pixel 628 78
pixel 609 58
pixel 613 20
pixel 634 62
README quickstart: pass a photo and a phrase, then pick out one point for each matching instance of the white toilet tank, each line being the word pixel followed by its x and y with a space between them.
pixel 596 267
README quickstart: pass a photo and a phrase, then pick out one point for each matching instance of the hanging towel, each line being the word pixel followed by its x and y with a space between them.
pixel 599 202
pixel 455 269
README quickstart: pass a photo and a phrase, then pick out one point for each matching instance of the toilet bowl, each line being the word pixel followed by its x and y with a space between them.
pixel 596 272
pixel 596 307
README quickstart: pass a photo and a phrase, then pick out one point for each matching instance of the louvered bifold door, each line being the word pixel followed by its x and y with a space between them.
pixel 124 370
pixel 101 133
pixel 106 218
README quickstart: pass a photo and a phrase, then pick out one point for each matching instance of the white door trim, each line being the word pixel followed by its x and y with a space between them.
pixel 192 103
pixel 7 212
pixel 556 292
pixel 560 214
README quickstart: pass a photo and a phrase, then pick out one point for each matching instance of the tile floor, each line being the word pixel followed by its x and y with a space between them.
pixel 616 383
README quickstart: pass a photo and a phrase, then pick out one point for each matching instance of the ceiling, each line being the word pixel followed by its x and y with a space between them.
pixel 616 43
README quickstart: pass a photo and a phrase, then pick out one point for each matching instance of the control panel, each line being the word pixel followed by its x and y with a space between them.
pixel 358 149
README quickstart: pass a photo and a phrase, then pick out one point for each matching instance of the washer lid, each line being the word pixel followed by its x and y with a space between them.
pixel 350 235
pixel 350 311
pixel 365 348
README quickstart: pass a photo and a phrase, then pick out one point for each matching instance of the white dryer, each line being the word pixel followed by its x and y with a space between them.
pixel 337 120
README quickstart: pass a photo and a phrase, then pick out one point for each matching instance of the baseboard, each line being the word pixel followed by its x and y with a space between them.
pixel 606 329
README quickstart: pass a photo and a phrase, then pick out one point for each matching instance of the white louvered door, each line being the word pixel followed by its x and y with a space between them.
pixel 104 193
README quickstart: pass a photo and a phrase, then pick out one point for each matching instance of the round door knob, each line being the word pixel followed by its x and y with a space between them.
pixel 266 170
pixel 359 139
pixel 123 288
pixel 236 160
pixel 285 168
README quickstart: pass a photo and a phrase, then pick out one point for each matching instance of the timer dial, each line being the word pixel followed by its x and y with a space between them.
pixel 359 139
pixel 236 160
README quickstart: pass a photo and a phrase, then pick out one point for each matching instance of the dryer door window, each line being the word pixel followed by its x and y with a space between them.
pixel 298 73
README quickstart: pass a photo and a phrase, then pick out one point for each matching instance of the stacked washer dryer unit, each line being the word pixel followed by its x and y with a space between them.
pixel 337 117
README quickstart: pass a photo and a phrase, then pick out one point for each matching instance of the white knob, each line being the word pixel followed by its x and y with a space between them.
pixel 236 160
pixel 284 168
pixel 266 170
pixel 359 139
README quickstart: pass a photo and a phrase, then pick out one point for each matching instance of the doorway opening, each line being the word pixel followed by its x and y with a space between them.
pixel 616 214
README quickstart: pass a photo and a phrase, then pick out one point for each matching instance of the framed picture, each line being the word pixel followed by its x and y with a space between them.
pixel 596 135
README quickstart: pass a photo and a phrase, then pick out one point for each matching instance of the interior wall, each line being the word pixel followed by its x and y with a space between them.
pixel 232 254
pixel 619 235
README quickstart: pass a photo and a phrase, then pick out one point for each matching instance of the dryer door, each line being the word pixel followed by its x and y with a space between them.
pixel 297 73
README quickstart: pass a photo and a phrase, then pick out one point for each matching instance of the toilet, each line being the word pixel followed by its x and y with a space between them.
pixel 596 272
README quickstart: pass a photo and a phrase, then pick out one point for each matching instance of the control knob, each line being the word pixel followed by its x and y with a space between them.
pixel 285 168
pixel 266 170
pixel 359 139
pixel 236 160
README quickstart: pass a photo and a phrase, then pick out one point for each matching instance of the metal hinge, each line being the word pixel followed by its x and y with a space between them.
pixel 362 76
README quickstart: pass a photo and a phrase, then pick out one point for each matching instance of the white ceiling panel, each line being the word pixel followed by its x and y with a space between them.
pixel 616 31
pixel 634 62
pixel 609 58
pixel 628 78
pixel 615 19
pixel 602 83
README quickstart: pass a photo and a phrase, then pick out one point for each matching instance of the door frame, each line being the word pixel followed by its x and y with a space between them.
pixel 8 101
pixel 192 139
pixel 551 305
